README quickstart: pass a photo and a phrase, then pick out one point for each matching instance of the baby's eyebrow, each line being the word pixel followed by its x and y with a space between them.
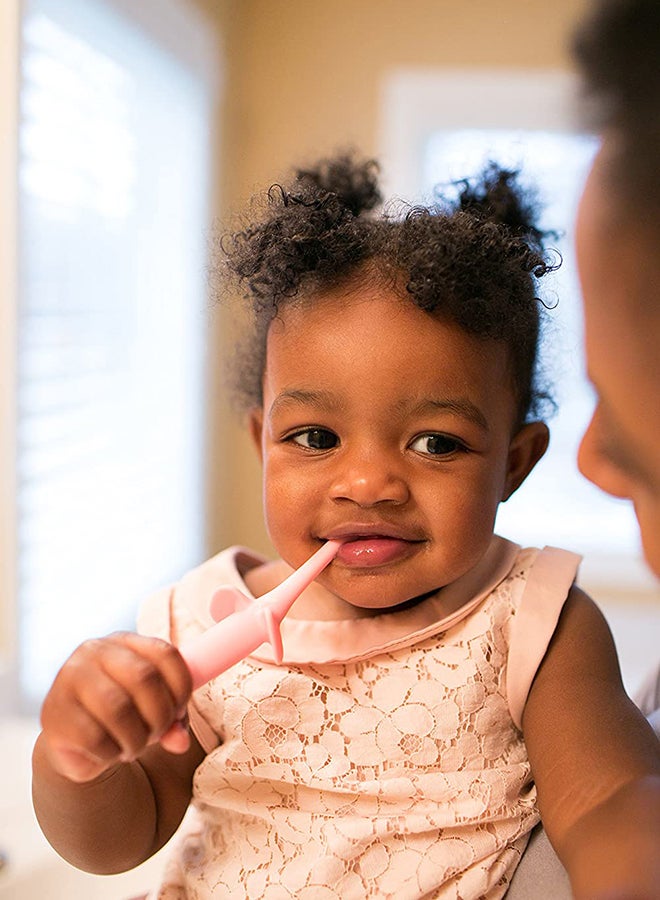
pixel 305 397
pixel 327 400
pixel 459 405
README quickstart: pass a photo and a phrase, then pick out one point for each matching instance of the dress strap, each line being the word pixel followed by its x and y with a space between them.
pixel 549 581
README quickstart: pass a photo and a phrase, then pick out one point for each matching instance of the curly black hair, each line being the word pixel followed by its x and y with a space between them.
pixel 473 260
pixel 618 51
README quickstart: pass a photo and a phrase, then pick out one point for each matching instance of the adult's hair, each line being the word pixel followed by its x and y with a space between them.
pixel 618 50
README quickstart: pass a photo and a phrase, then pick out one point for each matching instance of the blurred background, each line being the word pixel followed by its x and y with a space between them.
pixel 129 132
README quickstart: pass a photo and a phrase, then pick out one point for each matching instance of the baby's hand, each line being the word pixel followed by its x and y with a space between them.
pixel 110 700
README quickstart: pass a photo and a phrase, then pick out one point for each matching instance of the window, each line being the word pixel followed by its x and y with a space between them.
pixel 113 186
pixel 441 127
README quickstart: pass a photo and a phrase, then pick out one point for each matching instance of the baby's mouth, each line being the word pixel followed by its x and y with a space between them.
pixel 364 551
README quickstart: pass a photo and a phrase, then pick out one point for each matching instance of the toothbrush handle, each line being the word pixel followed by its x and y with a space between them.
pixel 227 642
pixel 238 635
pixel 283 596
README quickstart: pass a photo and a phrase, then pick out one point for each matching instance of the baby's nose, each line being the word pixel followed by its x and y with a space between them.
pixel 369 480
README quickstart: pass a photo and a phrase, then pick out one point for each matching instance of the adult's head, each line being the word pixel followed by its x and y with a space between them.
pixel 618 247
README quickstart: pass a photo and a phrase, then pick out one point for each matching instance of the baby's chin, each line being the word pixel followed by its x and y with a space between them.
pixel 410 603
pixel 364 601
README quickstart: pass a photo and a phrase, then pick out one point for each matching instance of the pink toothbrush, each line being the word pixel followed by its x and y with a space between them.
pixel 244 624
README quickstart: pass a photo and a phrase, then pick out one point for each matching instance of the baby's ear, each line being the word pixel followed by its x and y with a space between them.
pixel 256 424
pixel 525 450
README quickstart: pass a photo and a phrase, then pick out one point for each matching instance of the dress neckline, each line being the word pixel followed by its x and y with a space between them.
pixel 347 640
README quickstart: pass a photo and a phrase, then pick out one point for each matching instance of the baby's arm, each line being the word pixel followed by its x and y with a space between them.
pixel 596 762
pixel 112 767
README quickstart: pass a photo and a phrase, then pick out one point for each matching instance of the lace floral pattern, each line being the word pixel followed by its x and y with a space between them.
pixel 397 776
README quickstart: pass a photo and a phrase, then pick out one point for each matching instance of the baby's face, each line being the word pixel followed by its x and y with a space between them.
pixel 391 431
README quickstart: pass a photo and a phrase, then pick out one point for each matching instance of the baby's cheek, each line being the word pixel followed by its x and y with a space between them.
pixel 469 529
pixel 291 502
pixel 479 502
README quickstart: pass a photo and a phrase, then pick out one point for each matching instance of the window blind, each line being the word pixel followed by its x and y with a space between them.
pixel 113 165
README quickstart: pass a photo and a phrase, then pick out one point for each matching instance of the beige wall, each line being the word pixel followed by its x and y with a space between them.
pixel 303 77
pixel 310 70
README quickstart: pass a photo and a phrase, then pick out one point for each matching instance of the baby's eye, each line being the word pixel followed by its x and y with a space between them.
pixel 436 445
pixel 315 439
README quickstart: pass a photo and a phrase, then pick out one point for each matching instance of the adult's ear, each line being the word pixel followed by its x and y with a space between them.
pixel 256 425
pixel 525 450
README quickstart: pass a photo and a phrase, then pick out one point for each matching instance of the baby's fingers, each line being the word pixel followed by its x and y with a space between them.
pixel 177 738
pixel 80 748
pixel 76 765
pixel 167 659
pixel 112 698
pixel 156 686
pixel 116 709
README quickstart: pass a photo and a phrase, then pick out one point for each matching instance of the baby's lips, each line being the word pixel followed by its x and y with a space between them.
pixel 366 551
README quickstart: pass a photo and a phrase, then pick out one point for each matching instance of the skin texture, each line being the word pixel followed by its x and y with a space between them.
pixel 392 430
pixel 617 259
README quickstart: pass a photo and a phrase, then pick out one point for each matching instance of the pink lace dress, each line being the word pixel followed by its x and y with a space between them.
pixel 384 757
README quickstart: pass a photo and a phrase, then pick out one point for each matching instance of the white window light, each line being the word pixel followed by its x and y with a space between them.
pixel 113 188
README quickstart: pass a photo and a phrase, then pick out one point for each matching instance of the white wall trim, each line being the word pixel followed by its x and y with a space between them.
pixel 416 102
